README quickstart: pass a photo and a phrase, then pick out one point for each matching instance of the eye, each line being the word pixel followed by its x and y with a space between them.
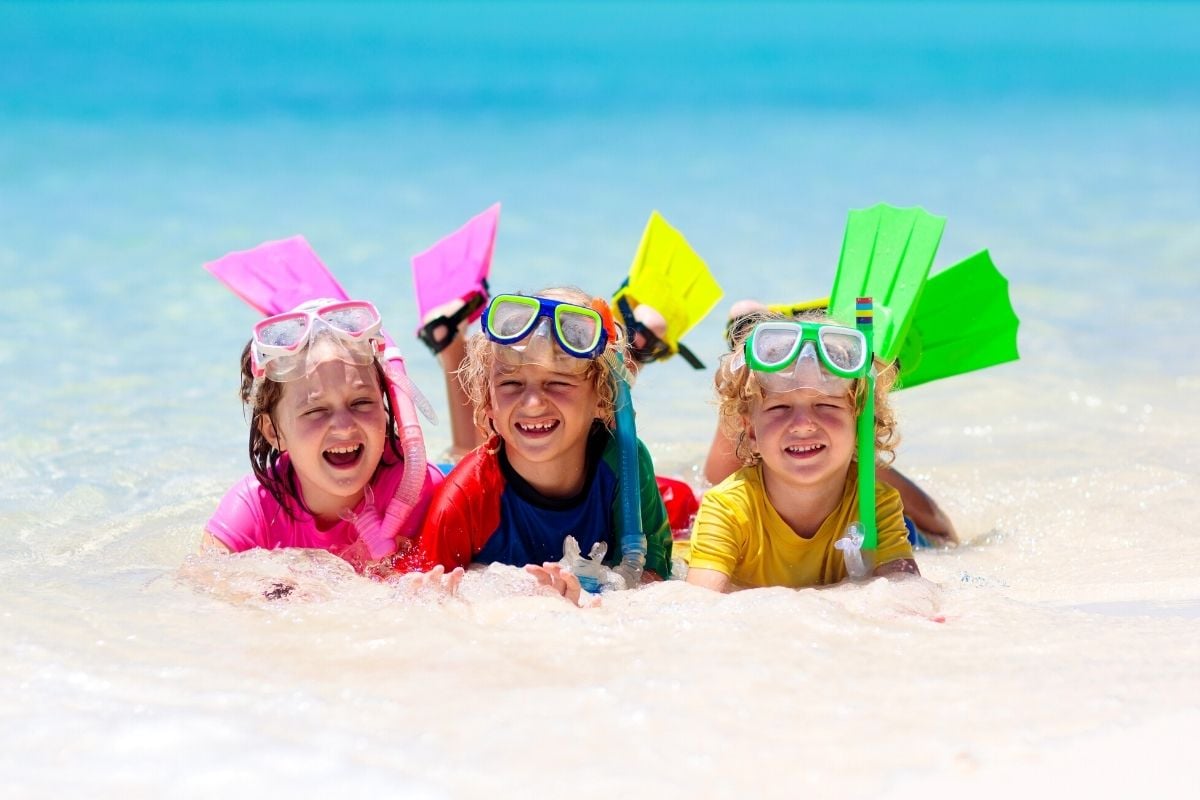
pixel 313 412
pixel 364 402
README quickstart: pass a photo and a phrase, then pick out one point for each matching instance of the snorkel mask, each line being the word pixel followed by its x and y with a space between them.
pixel 786 356
pixel 554 334
pixel 287 347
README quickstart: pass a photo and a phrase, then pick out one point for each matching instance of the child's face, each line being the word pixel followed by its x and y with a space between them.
pixel 806 438
pixel 542 415
pixel 333 424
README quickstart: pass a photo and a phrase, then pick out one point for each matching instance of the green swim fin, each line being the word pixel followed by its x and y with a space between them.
pixel 964 321
pixel 670 276
pixel 886 255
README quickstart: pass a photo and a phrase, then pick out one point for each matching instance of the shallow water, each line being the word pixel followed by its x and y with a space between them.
pixel 1056 649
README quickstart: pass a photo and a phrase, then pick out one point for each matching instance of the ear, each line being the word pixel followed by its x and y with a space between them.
pixel 751 435
pixel 267 428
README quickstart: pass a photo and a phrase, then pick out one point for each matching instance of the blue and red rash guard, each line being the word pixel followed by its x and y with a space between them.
pixel 485 512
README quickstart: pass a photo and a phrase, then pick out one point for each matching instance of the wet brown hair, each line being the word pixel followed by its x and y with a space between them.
pixel 736 389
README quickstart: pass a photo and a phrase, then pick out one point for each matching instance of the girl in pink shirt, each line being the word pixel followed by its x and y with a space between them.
pixel 325 443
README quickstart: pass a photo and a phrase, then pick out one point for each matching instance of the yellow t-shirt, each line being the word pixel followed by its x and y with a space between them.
pixel 739 533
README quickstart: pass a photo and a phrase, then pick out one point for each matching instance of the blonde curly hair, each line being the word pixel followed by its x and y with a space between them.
pixel 737 389
pixel 475 372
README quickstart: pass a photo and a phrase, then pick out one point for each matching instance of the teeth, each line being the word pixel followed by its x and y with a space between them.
pixel 351 449
pixel 803 448
pixel 537 426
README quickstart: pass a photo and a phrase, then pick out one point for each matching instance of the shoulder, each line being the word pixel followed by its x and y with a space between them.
pixel 745 485
pixel 241 518
pixel 475 476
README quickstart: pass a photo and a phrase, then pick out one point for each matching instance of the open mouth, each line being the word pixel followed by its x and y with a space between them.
pixel 804 450
pixel 537 428
pixel 344 456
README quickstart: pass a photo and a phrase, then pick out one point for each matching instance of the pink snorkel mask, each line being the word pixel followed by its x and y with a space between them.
pixel 289 346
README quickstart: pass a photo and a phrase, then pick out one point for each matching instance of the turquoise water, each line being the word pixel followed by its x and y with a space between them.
pixel 139 140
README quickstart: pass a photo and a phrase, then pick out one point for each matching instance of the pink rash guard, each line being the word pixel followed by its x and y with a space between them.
pixel 249 517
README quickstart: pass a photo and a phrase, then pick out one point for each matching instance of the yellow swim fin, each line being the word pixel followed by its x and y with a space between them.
pixel 668 275
pixel 796 309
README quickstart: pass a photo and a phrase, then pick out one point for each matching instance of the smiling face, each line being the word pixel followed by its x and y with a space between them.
pixel 544 418
pixel 805 438
pixel 333 425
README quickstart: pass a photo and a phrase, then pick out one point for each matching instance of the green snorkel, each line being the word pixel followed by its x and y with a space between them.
pixel 863 534
pixel 864 321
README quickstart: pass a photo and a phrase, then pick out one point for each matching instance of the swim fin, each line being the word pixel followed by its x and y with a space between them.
pixel 670 276
pixel 796 309
pixel 886 255
pixel 964 321
pixel 455 268
pixel 277 276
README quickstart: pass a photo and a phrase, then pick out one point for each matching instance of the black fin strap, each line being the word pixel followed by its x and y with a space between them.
pixel 450 323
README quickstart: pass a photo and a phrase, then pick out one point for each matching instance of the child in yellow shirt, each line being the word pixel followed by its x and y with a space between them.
pixel 790 394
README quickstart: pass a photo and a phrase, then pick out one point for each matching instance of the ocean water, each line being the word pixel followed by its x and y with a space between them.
pixel 1056 649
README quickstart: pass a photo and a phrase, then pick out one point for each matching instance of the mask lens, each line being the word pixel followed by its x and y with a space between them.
pixel 576 330
pixel 843 349
pixel 283 331
pixel 353 319
pixel 509 318
pixel 774 346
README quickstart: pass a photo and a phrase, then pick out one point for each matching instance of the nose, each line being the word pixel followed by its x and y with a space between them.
pixel 532 396
pixel 342 418
pixel 802 418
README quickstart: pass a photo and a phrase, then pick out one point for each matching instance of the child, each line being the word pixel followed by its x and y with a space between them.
pixel 325 444
pixel 929 524
pixel 541 378
pixel 788 402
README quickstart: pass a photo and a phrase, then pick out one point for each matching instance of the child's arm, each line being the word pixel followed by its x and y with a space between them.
pixel 463 434
pixel 709 579
pixel 721 461
pixel 465 510
pixel 716 544
pixel 654 520
pixel 211 544
pixel 894 554
pixel 920 507
pixel 238 523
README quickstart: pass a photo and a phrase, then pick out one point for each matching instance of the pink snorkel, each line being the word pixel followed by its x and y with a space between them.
pixel 278 276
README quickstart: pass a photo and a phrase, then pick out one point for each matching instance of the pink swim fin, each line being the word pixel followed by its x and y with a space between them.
pixel 456 268
pixel 277 276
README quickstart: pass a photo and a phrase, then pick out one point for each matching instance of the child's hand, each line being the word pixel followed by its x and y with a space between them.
pixel 436 584
pixel 553 576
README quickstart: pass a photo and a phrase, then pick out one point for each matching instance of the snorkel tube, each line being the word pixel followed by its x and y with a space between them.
pixel 863 534
pixel 633 538
pixel 405 398
pixel 864 321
